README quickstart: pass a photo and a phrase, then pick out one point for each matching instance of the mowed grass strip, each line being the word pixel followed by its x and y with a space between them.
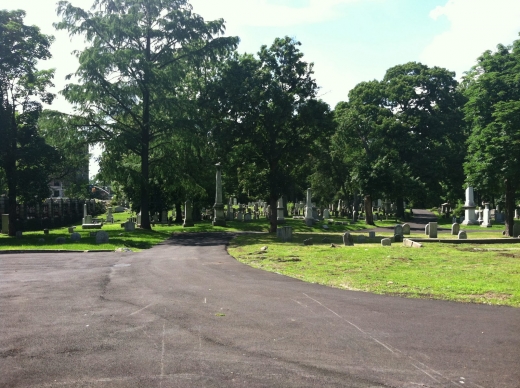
pixel 465 273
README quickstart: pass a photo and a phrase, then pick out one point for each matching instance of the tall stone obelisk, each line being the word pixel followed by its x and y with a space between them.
pixel 309 219
pixel 219 218
pixel 470 218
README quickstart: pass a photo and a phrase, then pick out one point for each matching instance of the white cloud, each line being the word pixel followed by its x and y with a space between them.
pixel 475 26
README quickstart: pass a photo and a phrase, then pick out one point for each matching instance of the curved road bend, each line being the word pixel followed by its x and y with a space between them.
pixel 186 314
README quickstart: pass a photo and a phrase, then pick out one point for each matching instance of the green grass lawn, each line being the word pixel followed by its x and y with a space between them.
pixel 144 239
pixel 465 273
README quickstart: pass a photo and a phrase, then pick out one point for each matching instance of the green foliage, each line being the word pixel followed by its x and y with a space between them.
pixel 493 91
pixel 131 94
pixel 61 131
pixel 25 159
pixel 266 115
pixel 403 137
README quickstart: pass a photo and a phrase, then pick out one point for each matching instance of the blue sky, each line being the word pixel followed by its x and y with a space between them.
pixel 349 41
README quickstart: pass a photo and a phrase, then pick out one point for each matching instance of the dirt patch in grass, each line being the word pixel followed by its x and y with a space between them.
pixel 509 255
pixel 469 249
pixel 288 259
pixel 490 296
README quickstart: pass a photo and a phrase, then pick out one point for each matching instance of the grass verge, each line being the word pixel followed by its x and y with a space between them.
pixel 465 273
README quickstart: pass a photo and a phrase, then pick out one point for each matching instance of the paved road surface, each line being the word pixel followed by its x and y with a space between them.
pixel 185 314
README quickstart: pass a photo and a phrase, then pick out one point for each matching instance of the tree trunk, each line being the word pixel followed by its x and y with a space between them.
pixel 369 217
pixel 400 208
pixel 11 174
pixel 272 217
pixel 196 211
pixel 510 208
pixel 178 213
pixel 11 197
pixel 356 203
pixel 145 147
pixel 145 196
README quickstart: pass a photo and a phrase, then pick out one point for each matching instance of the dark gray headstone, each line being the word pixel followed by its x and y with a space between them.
pixel 75 236
pixel 348 240
pixel 60 240
pixel 101 237
pixel 462 235
pixel 516 230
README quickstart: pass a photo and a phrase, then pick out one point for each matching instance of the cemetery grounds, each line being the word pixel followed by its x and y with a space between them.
pixel 471 273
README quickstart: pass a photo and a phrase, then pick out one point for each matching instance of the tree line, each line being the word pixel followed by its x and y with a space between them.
pixel 167 96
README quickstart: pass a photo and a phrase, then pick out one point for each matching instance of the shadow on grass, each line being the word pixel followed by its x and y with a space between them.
pixel 200 239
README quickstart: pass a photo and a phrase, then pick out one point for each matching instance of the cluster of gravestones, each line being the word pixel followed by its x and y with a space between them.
pixel 100 236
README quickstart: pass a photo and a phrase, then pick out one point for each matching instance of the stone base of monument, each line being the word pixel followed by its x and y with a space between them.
pixel 284 233
pixel 216 222
pixel 91 226
pixel 309 221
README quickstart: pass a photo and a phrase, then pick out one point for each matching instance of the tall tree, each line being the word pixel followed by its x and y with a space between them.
pixel 403 137
pixel 22 89
pixel 428 104
pixel 366 142
pixel 493 111
pixel 266 112
pixel 60 131
pixel 132 73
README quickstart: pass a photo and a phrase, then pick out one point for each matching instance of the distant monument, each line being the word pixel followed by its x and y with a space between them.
pixel 470 218
pixel 219 218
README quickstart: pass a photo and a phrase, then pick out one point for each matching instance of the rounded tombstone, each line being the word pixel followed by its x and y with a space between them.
pixel 41 240
pixel 60 240
pixel 406 229
pixel 19 234
pixel 462 235
pixel 348 239
pixel 386 242
pixel 455 229
pixel 75 236
pixel 101 237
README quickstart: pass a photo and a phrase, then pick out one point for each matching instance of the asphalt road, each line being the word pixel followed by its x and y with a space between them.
pixel 186 314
